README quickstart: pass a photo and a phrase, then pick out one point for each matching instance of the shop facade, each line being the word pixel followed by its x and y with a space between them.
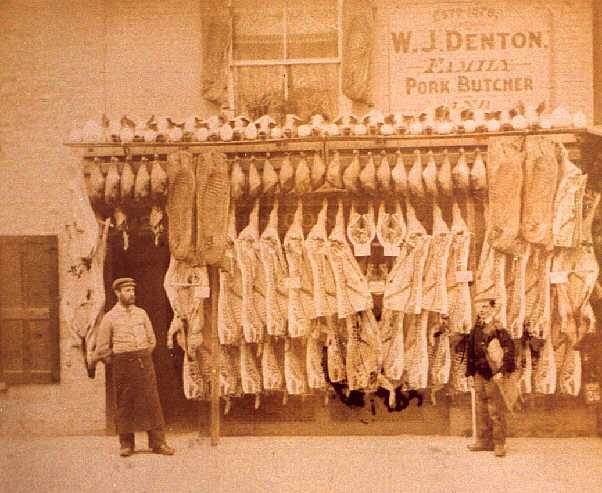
pixel 70 63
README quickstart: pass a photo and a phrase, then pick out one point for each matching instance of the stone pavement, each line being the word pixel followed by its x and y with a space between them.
pixel 301 464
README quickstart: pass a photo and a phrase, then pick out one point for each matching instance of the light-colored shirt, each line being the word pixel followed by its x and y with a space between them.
pixel 124 329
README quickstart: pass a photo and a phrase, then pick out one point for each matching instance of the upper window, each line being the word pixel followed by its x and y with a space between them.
pixel 286 56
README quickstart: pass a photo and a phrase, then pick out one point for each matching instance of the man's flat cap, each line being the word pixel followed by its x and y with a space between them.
pixel 123 282
pixel 483 298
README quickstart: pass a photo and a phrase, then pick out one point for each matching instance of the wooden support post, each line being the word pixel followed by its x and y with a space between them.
pixel 597 63
pixel 215 407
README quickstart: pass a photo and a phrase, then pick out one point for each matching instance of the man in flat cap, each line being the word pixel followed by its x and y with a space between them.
pixel 127 340
pixel 490 355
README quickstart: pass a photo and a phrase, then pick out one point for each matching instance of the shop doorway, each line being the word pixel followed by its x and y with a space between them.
pixel 147 264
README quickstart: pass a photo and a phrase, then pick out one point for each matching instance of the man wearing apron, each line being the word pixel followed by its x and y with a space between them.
pixel 490 406
pixel 127 340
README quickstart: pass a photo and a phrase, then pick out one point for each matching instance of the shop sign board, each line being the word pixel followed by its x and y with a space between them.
pixel 469 55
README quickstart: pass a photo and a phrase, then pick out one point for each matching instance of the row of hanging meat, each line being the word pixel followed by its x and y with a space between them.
pixel 362 174
pixel 282 302
pixel 296 313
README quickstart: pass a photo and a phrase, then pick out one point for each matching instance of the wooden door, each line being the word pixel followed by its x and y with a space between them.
pixel 29 335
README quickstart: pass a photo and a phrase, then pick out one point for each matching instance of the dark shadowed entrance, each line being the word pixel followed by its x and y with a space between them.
pixel 147 264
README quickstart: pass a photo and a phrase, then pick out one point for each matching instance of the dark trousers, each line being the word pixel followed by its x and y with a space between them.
pixel 156 438
pixel 490 411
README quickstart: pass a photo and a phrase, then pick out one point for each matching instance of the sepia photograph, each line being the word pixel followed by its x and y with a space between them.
pixel 300 246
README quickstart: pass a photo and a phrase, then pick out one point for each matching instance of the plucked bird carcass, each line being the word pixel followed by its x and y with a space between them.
pixel 112 183
pixel 158 180
pixel 142 184
pixel 368 176
pixel 318 171
pixel 415 183
pixel 255 185
pixel 383 174
pixel 444 177
pixel 287 175
pixel 399 175
pixel 127 182
pixel 351 175
pixel 95 181
pixel 302 176
pixel 270 177
pixel 238 180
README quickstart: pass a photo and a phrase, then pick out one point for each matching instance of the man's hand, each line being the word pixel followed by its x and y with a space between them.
pixel 497 377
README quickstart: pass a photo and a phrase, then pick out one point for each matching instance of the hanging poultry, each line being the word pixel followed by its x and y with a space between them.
pixel 478 177
pixel 95 181
pixel 415 183
pixel 254 179
pixel 368 176
pixel 112 183
pixel 334 180
pixel 302 176
pixel 287 175
pixel 429 176
pixel 318 171
pixel 270 178
pixel 127 182
pixel 444 178
pixel 238 180
pixel 142 184
pixel 158 180
pixel 383 174
pixel 351 175
pixel 400 176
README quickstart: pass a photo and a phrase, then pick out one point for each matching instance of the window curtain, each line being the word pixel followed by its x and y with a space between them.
pixel 217 36
pixel 313 89
pixel 358 33
pixel 260 91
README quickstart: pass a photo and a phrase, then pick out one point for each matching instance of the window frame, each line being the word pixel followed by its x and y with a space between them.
pixel 285 61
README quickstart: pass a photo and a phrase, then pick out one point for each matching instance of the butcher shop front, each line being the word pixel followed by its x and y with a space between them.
pixel 311 197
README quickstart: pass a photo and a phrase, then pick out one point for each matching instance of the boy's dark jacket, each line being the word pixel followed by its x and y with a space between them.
pixel 476 354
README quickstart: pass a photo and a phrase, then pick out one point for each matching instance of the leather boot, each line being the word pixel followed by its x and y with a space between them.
pixel 126 451
pixel 480 447
pixel 499 450
pixel 164 450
